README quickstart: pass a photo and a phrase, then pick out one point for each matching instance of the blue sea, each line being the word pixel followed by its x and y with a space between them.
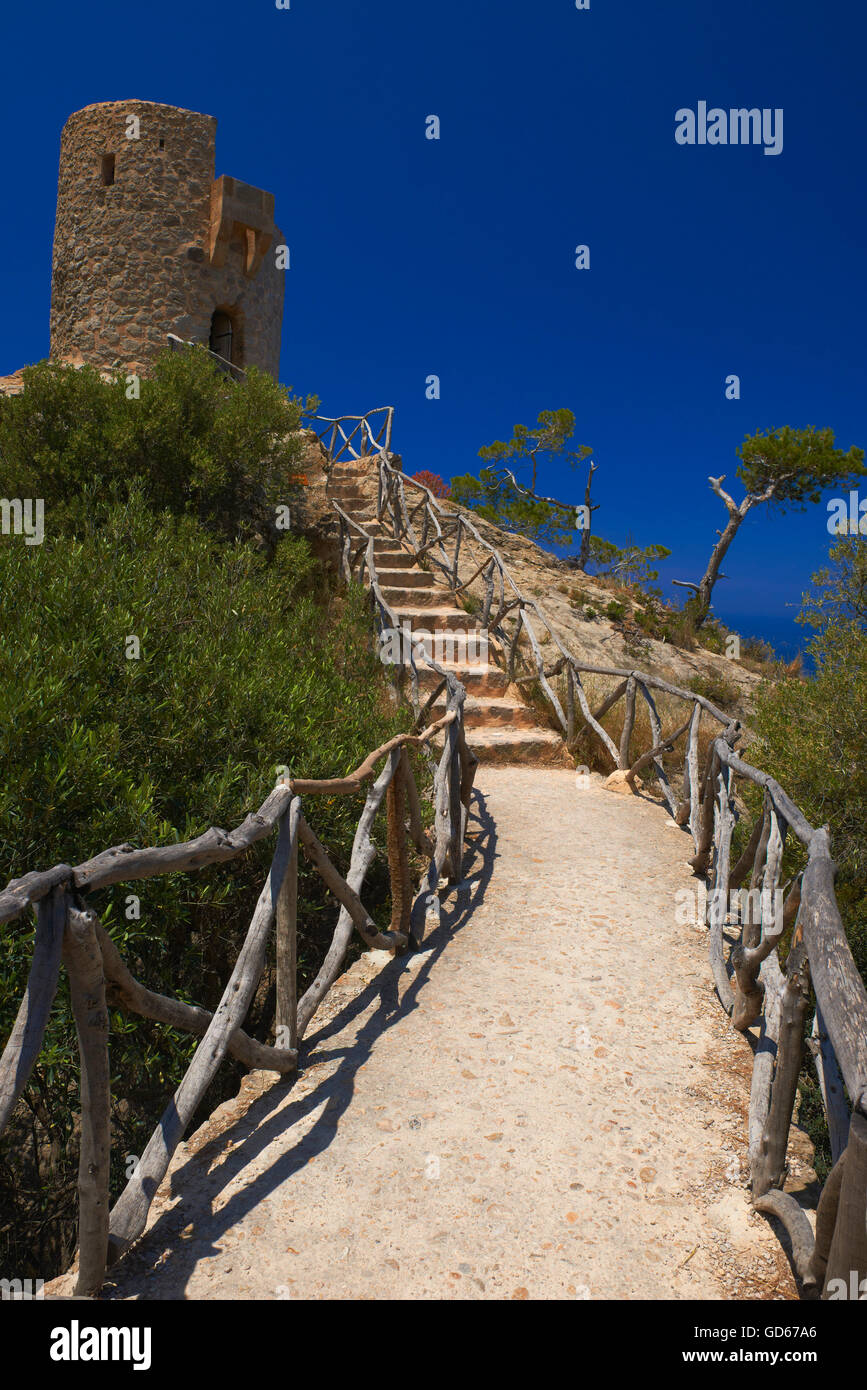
pixel 787 637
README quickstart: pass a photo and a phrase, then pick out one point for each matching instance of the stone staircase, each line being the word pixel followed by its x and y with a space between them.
pixel 500 726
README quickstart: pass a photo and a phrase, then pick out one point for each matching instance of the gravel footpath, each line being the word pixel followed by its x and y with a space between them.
pixel 544 1102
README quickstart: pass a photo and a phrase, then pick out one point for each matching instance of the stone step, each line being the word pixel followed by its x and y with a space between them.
pixel 360 515
pixel 480 679
pixel 387 558
pixel 481 712
pixel 435 618
pixel 417 595
pixel 403 578
pixel 508 744
pixel 350 497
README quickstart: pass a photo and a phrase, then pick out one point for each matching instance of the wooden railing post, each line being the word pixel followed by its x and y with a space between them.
pixel 656 738
pixel 769 1166
pixel 699 861
pixel 719 886
pixel 83 961
pixel 398 859
pixel 826 1221
pixel 130 1213
pixel 759 935
pixel 831 1085
pixel 628 724
pixel 489 594
pixel 286 1020
pixel 692 788
pixel 25 1040
pixel 458 533
pixel 455 807
pixel 847 1259
pixel 570 705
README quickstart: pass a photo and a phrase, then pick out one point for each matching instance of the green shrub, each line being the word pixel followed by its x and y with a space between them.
pixel 714 687
pixel 198 442
pixel 679 629
pixel 647 620
pixel 615 611
pixel 245 664
pixel 811 739
pixel 811 731
pixel 757 652
pixel 712 637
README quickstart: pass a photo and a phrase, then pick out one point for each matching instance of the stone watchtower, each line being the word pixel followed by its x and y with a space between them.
pixel 147 242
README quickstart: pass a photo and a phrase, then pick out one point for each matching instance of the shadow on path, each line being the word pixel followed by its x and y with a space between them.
pixel 269 1117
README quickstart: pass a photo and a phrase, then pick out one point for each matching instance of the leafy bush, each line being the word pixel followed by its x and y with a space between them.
pixel 433 482
pixel 714 687
pixel 712 637
pixel 244 665
pixel 198 442
pixel 812 731
pixel 679 629
pixel 615 611
pixel 757 655
pixel 648 621
pixel 811 739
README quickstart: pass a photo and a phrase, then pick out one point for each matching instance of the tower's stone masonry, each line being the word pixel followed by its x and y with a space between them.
pixel 148 243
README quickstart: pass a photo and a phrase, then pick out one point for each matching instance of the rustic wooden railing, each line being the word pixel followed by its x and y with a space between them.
pixel 371 433
pixel 755 989
pixel 746 927
pixel 69 933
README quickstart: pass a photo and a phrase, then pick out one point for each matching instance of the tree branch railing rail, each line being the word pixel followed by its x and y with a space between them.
pixel 752 985
pixel 69 933
pixel 371 436
pixel 754 988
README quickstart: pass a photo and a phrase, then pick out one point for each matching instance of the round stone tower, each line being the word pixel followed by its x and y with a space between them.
pixel 147 243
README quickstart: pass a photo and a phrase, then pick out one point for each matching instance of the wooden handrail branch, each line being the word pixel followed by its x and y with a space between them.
pixel 341 786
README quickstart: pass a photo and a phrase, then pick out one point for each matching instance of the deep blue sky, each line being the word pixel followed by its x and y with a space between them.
pixel 456 257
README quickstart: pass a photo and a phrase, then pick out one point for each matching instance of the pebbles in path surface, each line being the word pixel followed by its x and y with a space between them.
pixel 524 1109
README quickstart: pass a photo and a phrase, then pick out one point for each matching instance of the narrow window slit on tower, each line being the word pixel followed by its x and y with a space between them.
pixel 107 168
